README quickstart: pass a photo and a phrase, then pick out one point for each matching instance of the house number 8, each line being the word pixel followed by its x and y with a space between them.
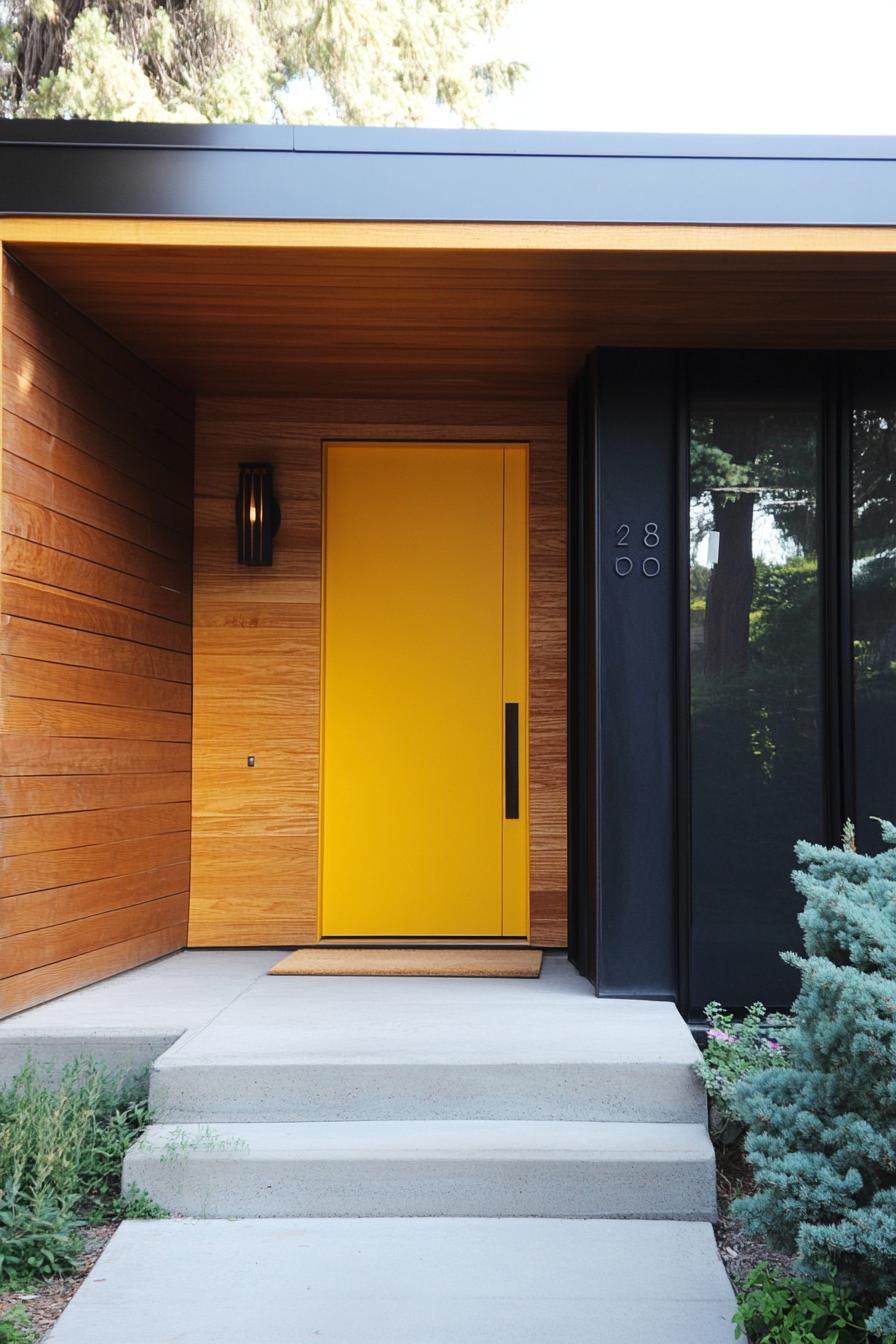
pixel 650 565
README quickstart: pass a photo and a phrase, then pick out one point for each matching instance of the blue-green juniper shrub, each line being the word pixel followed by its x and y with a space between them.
pixel 822 1132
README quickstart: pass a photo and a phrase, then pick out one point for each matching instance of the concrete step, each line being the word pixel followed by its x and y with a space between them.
pixel 405 1281
pixel 362 1051
pixel 473 1168
pixel 375 1048
pixel 214 1090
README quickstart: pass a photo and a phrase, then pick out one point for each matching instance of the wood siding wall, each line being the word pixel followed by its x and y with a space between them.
pixel 257 657
pixel 96 652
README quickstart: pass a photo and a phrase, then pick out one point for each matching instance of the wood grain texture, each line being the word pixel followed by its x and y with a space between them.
pixel 61 977
pixel 54 681
pixel 330 309
pixel 61 830
pixel 95 652
pixel 449 236
pixel 35 796
pixel 76 648
pixel 36 522
pixel 73 611
pixel 31 754
pixel 60 476
pixel 42 947
pixel 87 863
pixel 41 909
pixel 256 666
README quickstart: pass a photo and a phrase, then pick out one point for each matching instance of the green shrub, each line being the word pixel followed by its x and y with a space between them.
pixel 15 1328
pixel 62 1142
pixel 776 1308
pixel 37 1240
pixel 66 1135
pixel 733 1051
pixel 822 1133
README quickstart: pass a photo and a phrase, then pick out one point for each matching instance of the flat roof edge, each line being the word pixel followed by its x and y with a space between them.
pixel 355 174
pixel 461 142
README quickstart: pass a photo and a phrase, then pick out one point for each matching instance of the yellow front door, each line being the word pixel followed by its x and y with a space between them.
pixel 424 658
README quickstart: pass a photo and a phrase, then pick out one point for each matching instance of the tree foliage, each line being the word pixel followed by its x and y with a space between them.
pixel 822 1135
pixel 365 62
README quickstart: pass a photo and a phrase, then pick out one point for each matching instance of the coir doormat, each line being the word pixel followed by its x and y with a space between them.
pixel 520 963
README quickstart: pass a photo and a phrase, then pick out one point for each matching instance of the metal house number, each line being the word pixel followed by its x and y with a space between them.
pixel 650 538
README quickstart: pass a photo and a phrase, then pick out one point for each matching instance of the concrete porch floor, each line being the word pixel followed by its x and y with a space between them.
pixel 130 1019
pixel 220 1004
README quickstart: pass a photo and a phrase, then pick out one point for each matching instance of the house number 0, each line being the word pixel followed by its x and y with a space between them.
pixel 650 565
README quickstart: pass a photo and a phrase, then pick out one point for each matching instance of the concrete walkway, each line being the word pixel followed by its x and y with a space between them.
pixel 404 1281
pixel 445 1160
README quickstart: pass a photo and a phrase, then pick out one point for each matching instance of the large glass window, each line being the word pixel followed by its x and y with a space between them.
pixel 874 593
pixel 755 652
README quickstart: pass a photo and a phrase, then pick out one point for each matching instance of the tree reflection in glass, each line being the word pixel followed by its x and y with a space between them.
pixel 874 604
pixel 755 683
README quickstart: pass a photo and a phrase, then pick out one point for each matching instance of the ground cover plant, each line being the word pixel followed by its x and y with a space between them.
pixel 15 1328
pixel 780 1308
pixel 62 1141
pixel 821 1139
pixel 733 1051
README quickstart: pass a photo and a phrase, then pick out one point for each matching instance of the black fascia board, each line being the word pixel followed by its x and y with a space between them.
pixel 145 135
pixel 416 175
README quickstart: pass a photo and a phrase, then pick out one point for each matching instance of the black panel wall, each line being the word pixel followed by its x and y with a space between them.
pixel 622 691
pixel 732 655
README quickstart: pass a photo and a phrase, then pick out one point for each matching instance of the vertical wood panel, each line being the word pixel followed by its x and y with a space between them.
pixel 95 612
pixel 256 663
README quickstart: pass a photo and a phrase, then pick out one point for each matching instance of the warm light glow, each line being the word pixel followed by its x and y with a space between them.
pixel 257 514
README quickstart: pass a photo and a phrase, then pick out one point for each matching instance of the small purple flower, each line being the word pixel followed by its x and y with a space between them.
pixel 774 1046
pixel 717 1035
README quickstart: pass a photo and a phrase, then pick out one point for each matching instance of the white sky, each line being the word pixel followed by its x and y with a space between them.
pixel 777 66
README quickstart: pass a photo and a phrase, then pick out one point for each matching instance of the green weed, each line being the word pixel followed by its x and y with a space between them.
pixel 137 1203
pixel 182 1142
pixel 776 1308
pixel 62 1142
pixel 15 1328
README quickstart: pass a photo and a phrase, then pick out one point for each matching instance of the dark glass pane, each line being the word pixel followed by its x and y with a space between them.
pixel 756 697
pixel 874 592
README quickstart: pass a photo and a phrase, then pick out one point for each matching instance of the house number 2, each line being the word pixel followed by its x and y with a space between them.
pixel 650 564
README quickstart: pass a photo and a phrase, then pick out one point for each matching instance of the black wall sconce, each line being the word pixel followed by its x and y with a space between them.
pixel 257 514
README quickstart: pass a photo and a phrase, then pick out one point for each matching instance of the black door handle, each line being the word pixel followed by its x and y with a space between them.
pixel 512 760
